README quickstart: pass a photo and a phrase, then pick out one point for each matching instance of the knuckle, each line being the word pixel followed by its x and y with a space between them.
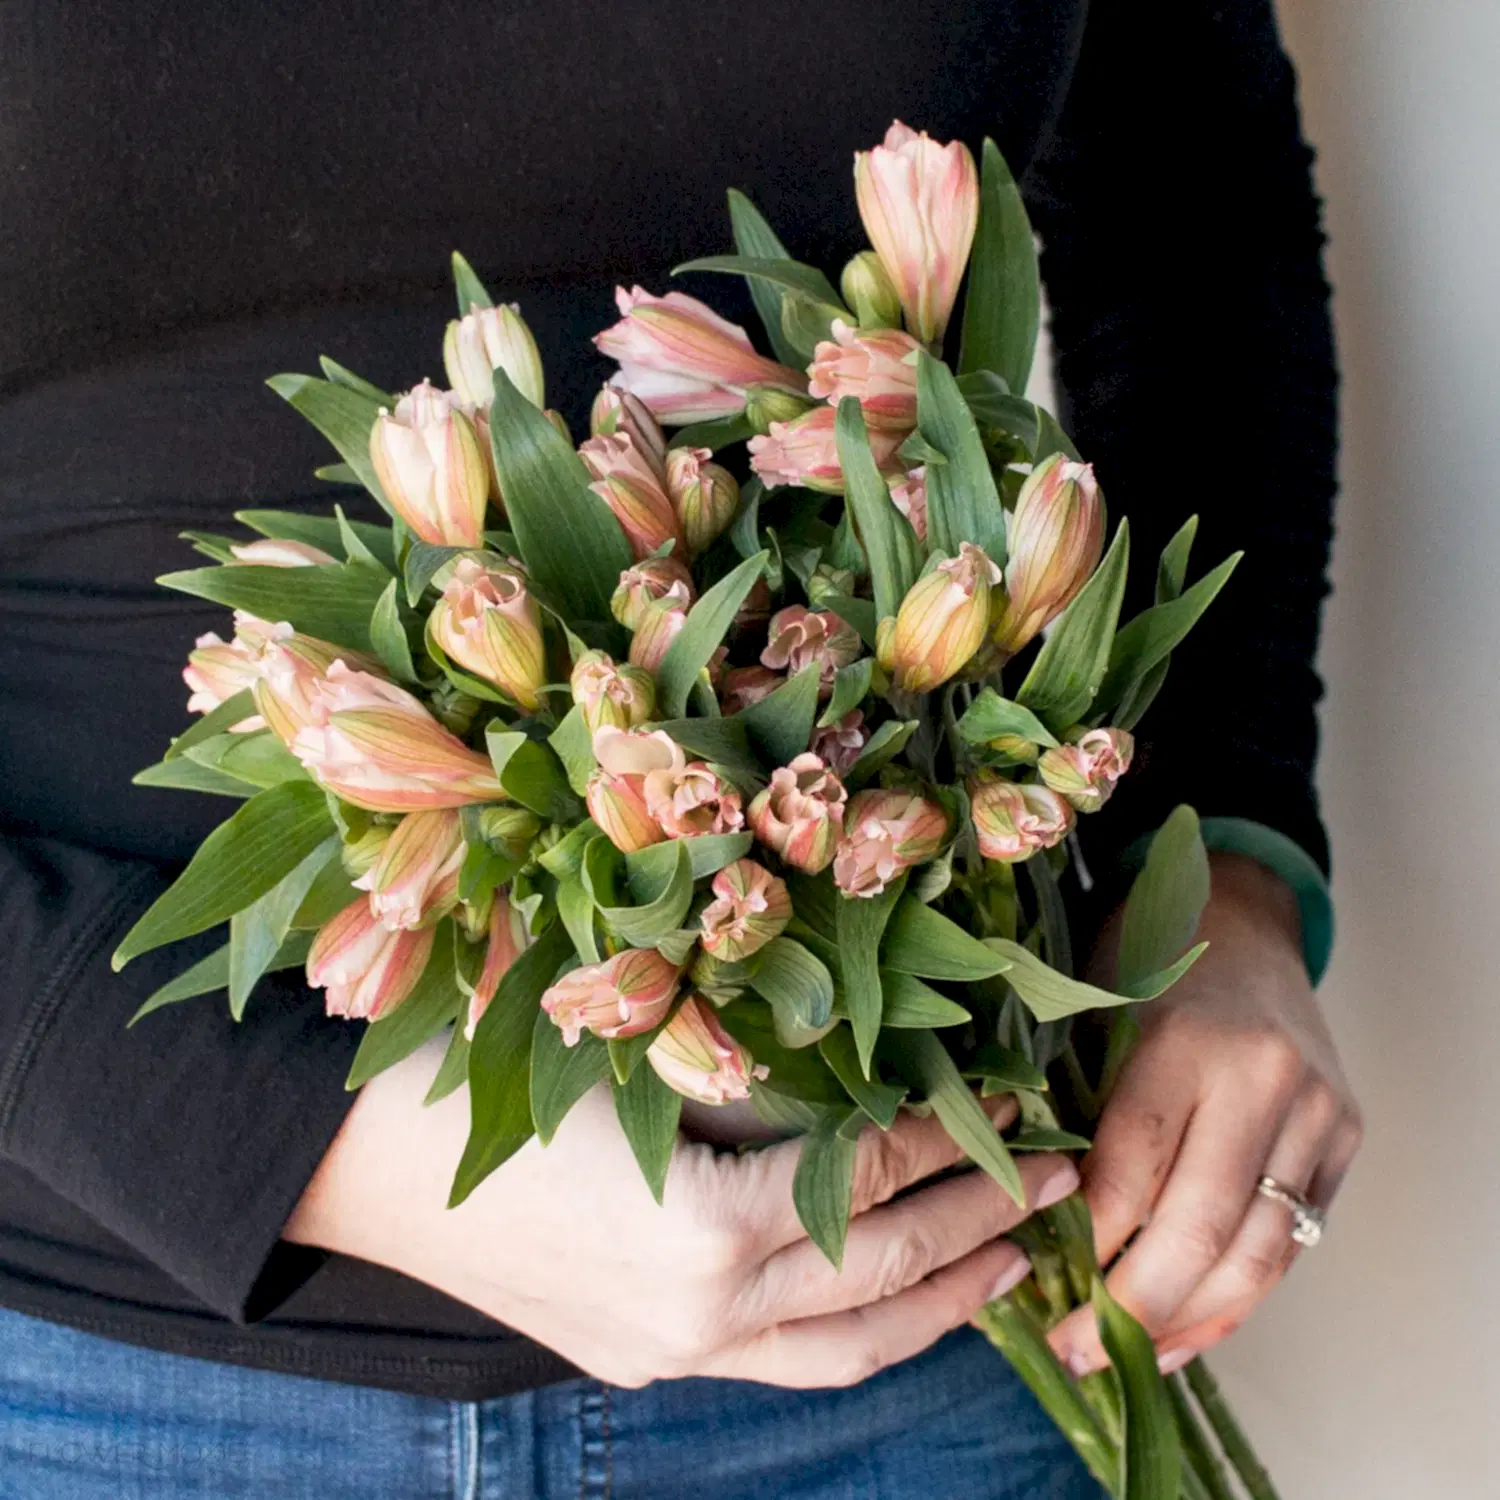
pixel 904 1262
pixel 714 1246
pixel 1324 1105
pixel 1276 1062
pixel 885 1168
pixel 1202 1240
pixel 1257 1268
pixel 1111 1194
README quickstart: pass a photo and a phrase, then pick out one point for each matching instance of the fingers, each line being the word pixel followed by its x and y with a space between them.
pixel 886 1162
pixel 891 1248
pixel 844 1348
pixel 1135 1145
pixel 1196 1218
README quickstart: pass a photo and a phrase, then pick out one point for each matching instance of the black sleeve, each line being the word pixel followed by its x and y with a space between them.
pixel 189 1137
pixel 1182 257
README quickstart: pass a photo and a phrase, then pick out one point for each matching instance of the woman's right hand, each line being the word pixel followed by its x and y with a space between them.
pixel 567 1245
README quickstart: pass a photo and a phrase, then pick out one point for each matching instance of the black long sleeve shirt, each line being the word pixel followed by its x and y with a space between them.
pixel 192 198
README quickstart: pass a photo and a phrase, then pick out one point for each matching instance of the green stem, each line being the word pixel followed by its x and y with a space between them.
pixel 1213 1483
pixel 1026 1347
pixel 1231 1436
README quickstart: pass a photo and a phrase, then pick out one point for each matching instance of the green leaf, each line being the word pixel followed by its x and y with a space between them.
pixel 878 1100
pixel 1042 1138
pixel 574 747
pixel 644 926
pixel 794 983
pixel 212 973
pixel 888 741
pixel 997 409
pixel 989 716
pixel 1154 633
pixel 651 869
pixel 330 893
pixel 210 545
pixel 861 923
pixel 258 759
pixel 807 322
pixel 257 933
pixel 561 1075
pixel 774 271
pixel 894 554
pixel 823 1184
pixel 423 561
pixel 433 1004
pixel 216 721
pixel 453 1071
pixel 388 636
pixel 1051 913
pixel 649 1111
pixel 755 238
pixel 355 550
pixel 320 531
pixel 1171 570
pixel 797 1072
pixel 343 416
pixel 575 909
pixel 187 775
pixel 722 741
pixel 923 1061
pixel 910 1004
pixel 470 289
pixel 703 632
pixel 925 943
pixel 336 474
pixel 1069 668
pixel 962 502
pixel 1002 308
pixel 573 547
pixel 332 601
pixel 1005 1067
pixel 1166 899
pixel 1153 1452
pixel 500 1063
pixel 627 1052
pixel 339 375
pixel 1050 996
pixel 240 861
pixel 781 724
pixel 531 773
pixel 1050 438
pixel 851 686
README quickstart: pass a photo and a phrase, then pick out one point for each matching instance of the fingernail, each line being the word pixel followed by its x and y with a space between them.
pixel 1010 1278
pixel 1174 1359
pixel 1057 1185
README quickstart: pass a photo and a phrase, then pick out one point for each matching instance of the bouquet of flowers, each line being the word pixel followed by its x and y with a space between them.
pixel 704 770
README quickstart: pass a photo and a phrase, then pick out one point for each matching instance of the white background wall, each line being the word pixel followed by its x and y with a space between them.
pixel 1375 1372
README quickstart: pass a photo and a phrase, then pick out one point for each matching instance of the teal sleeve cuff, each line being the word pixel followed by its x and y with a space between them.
pixel 1296 867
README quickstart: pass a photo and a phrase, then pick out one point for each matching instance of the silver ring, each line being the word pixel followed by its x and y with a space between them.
pixel 1308 1221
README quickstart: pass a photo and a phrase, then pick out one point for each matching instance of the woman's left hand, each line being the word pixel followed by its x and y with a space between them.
pixel 1235 1077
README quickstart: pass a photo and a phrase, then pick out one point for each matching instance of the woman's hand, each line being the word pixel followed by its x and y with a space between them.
pixel 1235 1077
pixel 567 1245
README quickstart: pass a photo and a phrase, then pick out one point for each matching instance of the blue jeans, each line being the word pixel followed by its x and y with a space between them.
pixel 83 1418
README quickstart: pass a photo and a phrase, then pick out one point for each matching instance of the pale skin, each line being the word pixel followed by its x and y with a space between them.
pixel 1235 1076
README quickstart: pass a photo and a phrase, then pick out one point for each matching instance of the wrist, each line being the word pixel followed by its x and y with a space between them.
pixel 1247 900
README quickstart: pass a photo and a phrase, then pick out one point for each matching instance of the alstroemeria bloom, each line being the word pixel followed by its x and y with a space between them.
pixel 650 579
pixel 431 466
pixel 375 745
pixel 630 484
pixel 746 685
pixel 289 667
pixel 696 1056
pixel 1013 821
pixel 840 744
pixel 415 879
pixel 693 801
pixel 1086 772
pixel 685 362
pixel 879 369
pixel 607 694
pixel 487 623
pixel 658 626
pixel 616 411
pixel 920 205
pixel 624 996
pixel 278 552
pixel 508 940
pixel 909 496
pixel 216 670
pixel 886 832
pixel 801 813
pixel 705 495
pixel 805 452
pixel 368 969
pixel 798 638
pixel 616 793
pixel 750 907
pixel 484 340
pixel 943 620
pixel 1056 541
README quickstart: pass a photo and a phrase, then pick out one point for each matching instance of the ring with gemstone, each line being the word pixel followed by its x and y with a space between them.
pixel 1307 1219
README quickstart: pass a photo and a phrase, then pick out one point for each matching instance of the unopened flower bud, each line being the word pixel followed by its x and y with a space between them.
pixel 360 855
pixel 658 626
pixel 704 494
pixel 828 582
pixel 368 969
pixel 508 940
pixel 878 369
pixel 279 552
pixel 840 744
pixel 805 452
pixel 697 1057
pixel 909 496
pixel 885 644
pixel 487 623
pixel 1056 541
pixel 765 404
pixel 650 579
pixel 750 907
pixel 509 830
pixel 431 466
pixel 1017 747
pixel 885 833
pixel 943 620
pixel 1012 821
pixel 627 481
pixel 607 694
pixel 415 879
pixel 487 339
pixel 800 814
pixel 1086 772
pixel 216 671
pixel 717 981
pixel 869 290
pixel 746 685
pixel 616 411
pixel 798 638
pixel 624 996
